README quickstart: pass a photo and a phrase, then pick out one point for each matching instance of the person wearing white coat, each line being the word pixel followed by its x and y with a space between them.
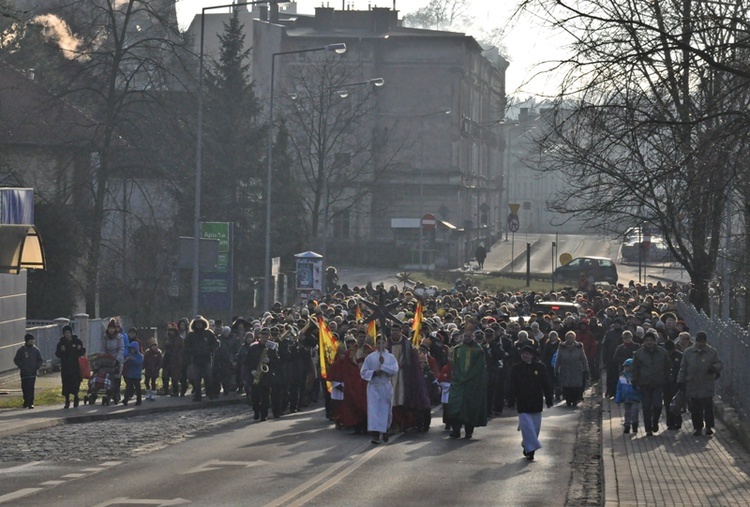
pixel 377 370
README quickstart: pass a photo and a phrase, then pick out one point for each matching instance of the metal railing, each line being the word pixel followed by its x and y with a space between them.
pixel 732 342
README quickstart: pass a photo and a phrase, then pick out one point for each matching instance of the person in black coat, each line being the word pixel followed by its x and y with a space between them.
pixel 29 360
pixel 200 345
pixel 69 349
pixel 530 388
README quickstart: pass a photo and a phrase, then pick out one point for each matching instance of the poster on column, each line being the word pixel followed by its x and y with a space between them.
pixel 216 283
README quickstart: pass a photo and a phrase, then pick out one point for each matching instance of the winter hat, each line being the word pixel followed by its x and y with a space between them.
pixel 112 323
pixel 628 362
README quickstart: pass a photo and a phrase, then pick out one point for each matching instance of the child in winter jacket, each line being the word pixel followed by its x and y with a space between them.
pixel 445 386
pixel 131 371
pixel 152 360
pixel 629 396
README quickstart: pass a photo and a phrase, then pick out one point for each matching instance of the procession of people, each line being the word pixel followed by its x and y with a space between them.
pixel 468 352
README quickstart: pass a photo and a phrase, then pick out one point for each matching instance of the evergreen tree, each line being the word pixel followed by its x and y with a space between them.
pixel 233 147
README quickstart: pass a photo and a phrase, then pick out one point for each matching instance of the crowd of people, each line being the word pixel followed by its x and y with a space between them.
pixel 473 352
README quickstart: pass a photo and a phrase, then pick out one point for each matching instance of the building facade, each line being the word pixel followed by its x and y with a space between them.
pixel 439 111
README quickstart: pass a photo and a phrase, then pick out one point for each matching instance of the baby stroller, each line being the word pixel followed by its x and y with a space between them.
pixel 103 372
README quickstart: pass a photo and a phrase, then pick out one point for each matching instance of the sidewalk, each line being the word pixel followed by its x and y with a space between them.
pixel 503 253
pixel 672 467
pixel 19 420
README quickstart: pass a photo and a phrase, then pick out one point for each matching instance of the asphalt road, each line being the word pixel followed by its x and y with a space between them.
pixel 584 245
pixel 301 460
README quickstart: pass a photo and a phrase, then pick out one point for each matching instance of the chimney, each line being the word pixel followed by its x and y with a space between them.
pixel 263 9
pixel 324 17
pixel 274 16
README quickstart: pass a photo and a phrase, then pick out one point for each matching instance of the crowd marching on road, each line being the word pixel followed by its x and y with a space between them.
pixel 474 352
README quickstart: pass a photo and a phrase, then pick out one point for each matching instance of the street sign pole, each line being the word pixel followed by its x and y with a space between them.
pixel 427 222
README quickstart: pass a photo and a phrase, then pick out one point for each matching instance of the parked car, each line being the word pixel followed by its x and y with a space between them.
pixel 633 249
pixel 594 269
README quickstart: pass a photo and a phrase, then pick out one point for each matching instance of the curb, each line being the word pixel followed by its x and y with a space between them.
pixel 116 413
pixel 609 475
pixel 740 430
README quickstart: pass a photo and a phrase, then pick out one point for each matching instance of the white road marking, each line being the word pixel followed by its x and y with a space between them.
pixel 215 464
pixel 143 501
pixel 18 494
pixel 332 472
pixel 19 467
pixel 73 476
pixel 110 463
pixel 52 483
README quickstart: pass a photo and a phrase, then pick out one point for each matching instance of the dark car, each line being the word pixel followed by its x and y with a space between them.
pixel 594 269
pixel 557 307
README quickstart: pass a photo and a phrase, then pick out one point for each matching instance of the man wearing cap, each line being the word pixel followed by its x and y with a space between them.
pixel 69 349
pixel 467 402
pixel 699 370
pixel 28 358
pixel 530 387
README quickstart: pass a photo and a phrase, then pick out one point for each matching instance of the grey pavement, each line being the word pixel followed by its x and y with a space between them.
pixel 672 467
pixel 669 468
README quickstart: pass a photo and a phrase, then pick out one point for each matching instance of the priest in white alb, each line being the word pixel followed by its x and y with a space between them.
pixel 377 370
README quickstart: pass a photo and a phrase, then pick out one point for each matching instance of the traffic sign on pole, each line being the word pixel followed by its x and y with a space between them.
pixel 513 222
pixel 428 222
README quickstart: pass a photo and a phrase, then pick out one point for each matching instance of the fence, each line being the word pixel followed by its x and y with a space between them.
pixel 47 337
pixel 732 342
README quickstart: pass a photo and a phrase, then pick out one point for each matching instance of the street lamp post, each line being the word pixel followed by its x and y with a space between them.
pixel 339 48
pixel 199 150
pixel 343 92
pixel 421 182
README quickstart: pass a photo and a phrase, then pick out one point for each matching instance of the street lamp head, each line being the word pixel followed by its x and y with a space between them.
pixel 343 93
pixel 339 48
pixel 377 81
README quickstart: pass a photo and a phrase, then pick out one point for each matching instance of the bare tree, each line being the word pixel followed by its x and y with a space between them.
pixel 652 95
pixel 115 61
pixel 339 155
pixel 440 15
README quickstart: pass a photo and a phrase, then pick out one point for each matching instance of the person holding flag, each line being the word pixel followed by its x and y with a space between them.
pixel 346 369
pixel 378 369
pixel 327 349
pixel 416 327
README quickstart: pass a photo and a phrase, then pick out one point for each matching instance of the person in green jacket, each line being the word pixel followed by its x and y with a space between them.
pixel 467 402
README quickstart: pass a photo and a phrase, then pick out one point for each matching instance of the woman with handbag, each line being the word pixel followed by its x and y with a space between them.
pixel 69 349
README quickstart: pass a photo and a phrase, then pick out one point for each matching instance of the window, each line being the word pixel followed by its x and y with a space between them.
pixel 342 224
